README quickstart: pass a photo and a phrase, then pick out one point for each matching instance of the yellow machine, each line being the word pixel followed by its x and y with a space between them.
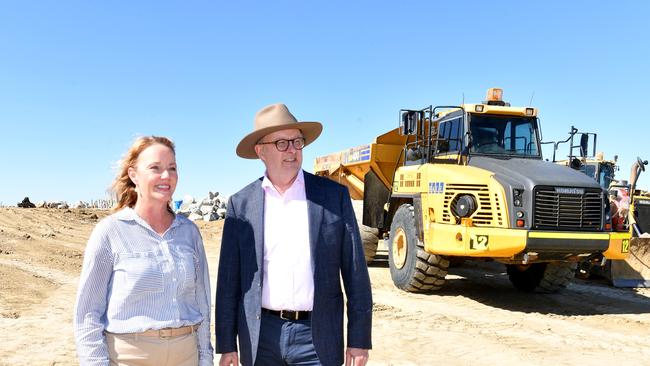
pixel 469 182
pixel 633 271
pixel 593 165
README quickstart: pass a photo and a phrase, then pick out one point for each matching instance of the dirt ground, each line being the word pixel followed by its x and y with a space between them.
pixel 476 319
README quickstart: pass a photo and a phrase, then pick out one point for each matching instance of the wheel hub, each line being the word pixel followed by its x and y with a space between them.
pixel 399 248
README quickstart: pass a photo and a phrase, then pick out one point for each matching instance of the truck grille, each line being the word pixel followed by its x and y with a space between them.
pixel 571 209
pixel 485 214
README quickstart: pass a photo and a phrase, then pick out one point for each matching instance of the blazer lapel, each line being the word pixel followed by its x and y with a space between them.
pixel 257 222
pixel 314 197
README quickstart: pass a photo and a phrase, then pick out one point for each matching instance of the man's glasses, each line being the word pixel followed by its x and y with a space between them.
pixel 283 145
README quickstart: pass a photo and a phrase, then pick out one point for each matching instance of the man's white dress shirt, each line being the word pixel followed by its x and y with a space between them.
pixel 288 282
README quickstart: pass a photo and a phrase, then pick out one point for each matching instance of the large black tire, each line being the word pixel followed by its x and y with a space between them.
pixel 411 268
pixel 370 240
pixel 542 277
pixel 369 235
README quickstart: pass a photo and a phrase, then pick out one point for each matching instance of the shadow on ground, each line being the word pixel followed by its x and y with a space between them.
pixel 488 283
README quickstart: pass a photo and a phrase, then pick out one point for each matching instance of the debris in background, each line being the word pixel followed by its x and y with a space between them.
pixel 26 204
pixel 210 208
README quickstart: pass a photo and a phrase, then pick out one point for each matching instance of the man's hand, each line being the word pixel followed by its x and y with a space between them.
pixel 231 359
pixel 356 356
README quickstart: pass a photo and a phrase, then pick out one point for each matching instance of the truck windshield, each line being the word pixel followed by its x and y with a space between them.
pixel 590 170
pixel 504 135
pixel 603 173
pixel 606 175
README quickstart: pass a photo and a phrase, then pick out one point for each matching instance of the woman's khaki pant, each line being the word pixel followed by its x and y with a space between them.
pixel 138 350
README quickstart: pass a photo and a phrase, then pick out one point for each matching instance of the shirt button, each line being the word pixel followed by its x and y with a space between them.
pixel 164 242
pixel 174 279
pixel 174 299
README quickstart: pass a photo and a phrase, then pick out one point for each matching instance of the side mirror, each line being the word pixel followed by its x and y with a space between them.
pixel 470 141
pixel 584 144
pixel 408 123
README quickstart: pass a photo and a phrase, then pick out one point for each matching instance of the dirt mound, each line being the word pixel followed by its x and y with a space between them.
pixel 476 319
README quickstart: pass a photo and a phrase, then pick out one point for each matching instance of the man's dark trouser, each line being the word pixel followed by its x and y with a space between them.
pixel 285 342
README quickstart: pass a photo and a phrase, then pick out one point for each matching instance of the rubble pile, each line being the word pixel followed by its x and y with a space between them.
pixel 59 204
pixel 210 208
pixel 26 203
pixel 100 204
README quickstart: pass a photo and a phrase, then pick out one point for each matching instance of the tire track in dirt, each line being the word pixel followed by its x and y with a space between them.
pixel 43 334
pixel 453 326
pixel 45 272
pixel 508 325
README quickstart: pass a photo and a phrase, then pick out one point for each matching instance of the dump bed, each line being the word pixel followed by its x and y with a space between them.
pixel 349 167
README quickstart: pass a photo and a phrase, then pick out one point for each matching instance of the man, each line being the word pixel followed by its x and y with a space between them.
pixel 487 142
pixel 286 238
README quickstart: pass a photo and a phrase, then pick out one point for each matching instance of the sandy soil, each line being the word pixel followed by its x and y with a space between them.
pixel 477 319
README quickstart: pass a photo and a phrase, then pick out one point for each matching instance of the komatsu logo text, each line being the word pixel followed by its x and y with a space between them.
pixel 577 191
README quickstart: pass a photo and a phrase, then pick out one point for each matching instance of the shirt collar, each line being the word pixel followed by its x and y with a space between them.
pixel 126 214
pixel 298 182
pixel 129 214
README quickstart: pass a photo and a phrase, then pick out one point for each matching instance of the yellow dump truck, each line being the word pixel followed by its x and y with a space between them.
pixel 469 182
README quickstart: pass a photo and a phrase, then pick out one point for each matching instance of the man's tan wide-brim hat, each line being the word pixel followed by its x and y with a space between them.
pixel 275 117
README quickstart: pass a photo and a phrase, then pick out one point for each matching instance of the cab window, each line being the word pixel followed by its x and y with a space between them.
pixel 451 135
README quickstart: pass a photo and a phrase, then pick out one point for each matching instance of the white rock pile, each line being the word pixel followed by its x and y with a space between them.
pixel 210 208
pixel 100 204
pixel 59 204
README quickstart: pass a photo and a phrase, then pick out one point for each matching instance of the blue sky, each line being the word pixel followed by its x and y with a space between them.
pixel 79 80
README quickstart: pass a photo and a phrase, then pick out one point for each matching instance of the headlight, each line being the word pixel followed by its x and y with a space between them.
pixel 464 206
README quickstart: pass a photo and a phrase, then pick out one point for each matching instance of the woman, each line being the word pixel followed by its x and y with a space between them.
pixel 144 291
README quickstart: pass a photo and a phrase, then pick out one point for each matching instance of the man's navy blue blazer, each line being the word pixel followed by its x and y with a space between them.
pixel 336 248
